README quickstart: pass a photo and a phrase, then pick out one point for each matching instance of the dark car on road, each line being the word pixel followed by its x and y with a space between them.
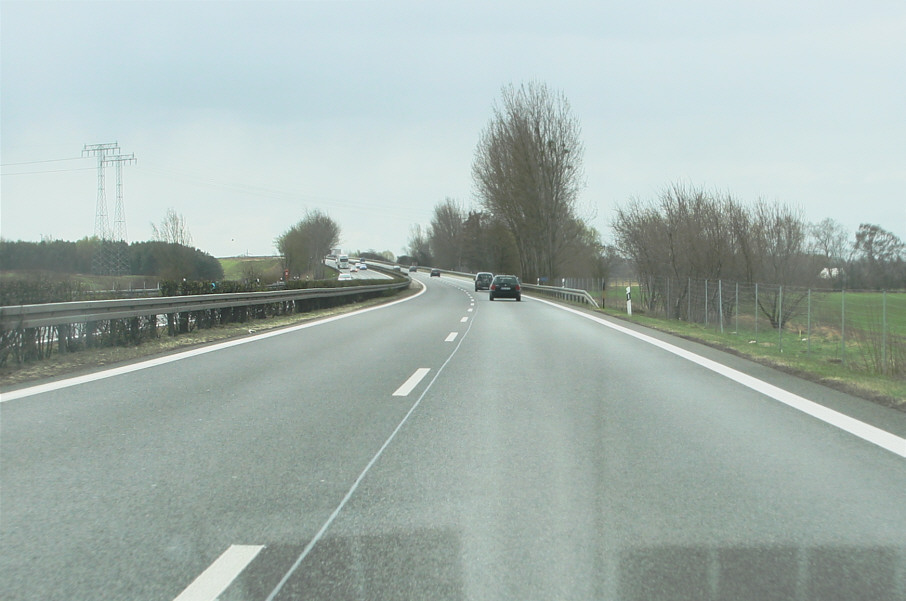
pixel 505 286
pixel 435 273
pixel 483 280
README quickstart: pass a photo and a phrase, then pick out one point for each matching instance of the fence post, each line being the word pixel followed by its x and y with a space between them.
pixel 689 301
pixel 756 311
pixel 843 325
pixel 737 308
pixel 667 310
pixel 780 319
pixel 808 325
pixel 706 303
pixel 884 332
pixel 720 304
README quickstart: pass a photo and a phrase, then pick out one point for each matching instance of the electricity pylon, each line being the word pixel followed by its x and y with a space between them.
pixel 110 257
pixel 119 263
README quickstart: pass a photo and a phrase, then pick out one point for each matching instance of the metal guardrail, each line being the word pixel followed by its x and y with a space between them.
pixel 54 314
pixel 570 294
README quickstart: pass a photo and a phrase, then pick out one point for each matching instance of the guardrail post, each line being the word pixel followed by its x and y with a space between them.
pixel 90 329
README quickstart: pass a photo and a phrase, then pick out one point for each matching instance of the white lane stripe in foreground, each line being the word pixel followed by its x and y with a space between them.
pixel 451 337
pixel 464 320
pixel 867 432
pixel 412 382
pixel 220 574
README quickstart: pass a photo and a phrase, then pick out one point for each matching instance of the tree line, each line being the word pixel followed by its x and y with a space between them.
pixel 691 233
pixel 166 260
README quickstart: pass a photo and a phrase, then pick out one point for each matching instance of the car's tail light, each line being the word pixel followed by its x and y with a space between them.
pixel 493 286
pixel 517 287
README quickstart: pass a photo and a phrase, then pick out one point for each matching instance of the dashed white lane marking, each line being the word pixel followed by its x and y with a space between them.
pixel 464 320
pixel 355 485
pixel 451 337
pixel 213 581
pixel 471 309
pixel 412 382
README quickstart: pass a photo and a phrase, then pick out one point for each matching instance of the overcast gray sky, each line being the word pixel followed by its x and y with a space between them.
pixel 243 115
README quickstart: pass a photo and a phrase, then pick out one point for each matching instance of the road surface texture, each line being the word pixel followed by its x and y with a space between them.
pixel 446 448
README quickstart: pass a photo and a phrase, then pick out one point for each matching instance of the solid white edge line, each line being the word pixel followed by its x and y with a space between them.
pixel 220 574
pixel 877 436
pixel 412 382
pixel 451 337
pixel 125 369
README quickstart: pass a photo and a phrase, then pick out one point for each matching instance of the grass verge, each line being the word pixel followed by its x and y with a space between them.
pixel 888 391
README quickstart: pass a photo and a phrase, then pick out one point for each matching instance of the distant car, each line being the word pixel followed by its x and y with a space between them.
pixel 435 273
pixel 413 269
pixel 354 269
pixel 505 286
pixel 483 280
pixel 362 266
pixel 344 277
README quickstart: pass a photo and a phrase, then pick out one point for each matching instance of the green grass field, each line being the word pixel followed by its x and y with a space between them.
pixel 854 341
pixel 867 364
pixel 268 269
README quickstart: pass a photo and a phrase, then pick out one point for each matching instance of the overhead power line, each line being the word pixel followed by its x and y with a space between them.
pixel 39 162
pixel 49 171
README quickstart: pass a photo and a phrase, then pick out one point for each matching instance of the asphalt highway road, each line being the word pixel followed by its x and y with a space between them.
pixel 446 447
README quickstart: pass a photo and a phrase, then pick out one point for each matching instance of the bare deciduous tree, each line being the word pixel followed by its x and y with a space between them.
pixel 419 245
pixel 528 173
pixel 830 240
pixel 173 229
pixel 446 234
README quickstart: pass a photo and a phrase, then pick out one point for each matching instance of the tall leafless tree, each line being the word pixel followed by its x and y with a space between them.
pixel 419 245
pixel 528 173
pixel 830 240
pixel 173 229
pixel 446 234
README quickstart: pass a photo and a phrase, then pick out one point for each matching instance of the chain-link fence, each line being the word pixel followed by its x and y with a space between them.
pixel 862 330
